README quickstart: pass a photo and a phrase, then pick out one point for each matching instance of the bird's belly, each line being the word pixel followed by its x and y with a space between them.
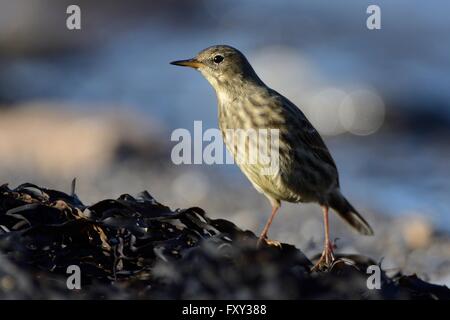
pixel 265 175
pixel 271 185
pixel 288 179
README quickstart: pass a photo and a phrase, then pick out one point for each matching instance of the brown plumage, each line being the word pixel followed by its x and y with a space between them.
pixel 306 171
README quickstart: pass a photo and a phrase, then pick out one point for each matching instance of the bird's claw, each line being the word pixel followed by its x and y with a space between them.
pixel 273 243
pixel 326 260
pixel 268 242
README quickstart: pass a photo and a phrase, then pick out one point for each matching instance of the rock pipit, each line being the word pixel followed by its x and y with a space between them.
pixel 306 171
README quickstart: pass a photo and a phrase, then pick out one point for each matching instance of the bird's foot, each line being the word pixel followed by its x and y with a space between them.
pixel 264 240
pixel 326 259
pixel 273 243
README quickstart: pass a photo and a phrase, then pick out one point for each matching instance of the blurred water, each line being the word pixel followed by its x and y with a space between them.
pixel 397 175
pixel 407 59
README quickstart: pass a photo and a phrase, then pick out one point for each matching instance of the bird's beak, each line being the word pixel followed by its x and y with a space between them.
pixel 193 63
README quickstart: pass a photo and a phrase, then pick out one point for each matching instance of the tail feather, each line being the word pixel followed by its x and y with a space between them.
pixel 346 211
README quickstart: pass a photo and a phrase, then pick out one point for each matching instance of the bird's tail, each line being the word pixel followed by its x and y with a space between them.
pixel 338 202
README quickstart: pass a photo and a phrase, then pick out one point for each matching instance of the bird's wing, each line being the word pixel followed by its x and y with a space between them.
pixel 309 136
pixel 312 138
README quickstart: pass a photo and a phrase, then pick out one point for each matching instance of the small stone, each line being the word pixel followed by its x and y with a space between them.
pixel 7 283
pixel 417 233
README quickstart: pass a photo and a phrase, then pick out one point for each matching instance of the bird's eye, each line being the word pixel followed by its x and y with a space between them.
pixel 218 59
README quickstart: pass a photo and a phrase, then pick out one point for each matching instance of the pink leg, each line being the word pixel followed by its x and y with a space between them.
pixel 263 235
pixel 327 257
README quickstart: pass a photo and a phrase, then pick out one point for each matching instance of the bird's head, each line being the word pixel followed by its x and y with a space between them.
pixel 221 65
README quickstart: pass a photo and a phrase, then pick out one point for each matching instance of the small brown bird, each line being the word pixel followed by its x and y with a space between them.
pixel 306 171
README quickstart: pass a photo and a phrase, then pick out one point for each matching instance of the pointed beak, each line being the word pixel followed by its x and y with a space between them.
pixel 193 63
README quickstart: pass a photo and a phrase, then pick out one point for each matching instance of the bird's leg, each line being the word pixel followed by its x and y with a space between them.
pixel 263 235
pixel 327 257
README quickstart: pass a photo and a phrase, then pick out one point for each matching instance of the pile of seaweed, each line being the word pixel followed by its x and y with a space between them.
pixel 137 248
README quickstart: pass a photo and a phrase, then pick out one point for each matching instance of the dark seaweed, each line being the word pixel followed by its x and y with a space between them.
pixel 135 247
